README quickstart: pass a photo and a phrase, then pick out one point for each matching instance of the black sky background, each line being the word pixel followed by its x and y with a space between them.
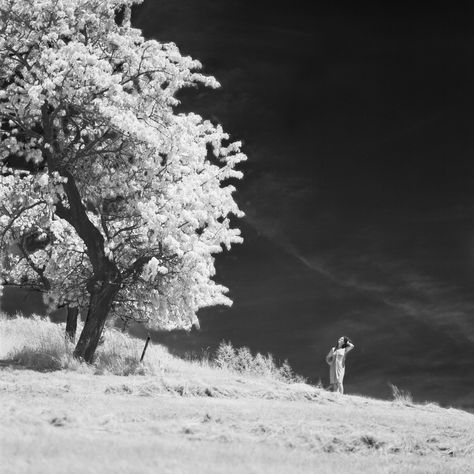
pixel 358 124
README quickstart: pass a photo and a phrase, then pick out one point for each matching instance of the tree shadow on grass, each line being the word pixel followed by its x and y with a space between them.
pixel 29 360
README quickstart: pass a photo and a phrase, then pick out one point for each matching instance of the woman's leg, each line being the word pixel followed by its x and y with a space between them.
pixel 340 387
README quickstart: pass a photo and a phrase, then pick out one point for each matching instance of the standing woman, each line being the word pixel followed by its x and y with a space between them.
pixel 336 359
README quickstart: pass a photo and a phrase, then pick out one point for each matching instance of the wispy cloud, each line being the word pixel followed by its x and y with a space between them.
pixel 419 296
pixel 396 283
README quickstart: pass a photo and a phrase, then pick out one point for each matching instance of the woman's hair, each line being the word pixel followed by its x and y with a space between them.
pixel 344 344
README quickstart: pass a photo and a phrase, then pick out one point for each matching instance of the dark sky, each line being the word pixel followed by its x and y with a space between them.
pixel 358 123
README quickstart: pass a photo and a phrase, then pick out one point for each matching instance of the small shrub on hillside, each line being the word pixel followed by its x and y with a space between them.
pixel 241 360
pixel 244 360
pixel 287 374
pixel 262 364
pixel 225 355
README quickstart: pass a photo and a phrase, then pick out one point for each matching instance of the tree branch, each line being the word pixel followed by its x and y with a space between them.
pixel 17 215
pixel 35 268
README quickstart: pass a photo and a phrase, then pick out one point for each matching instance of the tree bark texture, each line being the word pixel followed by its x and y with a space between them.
pixel 99 306
pixel 71 323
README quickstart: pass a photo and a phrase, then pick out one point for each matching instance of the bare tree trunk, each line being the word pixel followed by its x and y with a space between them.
pixel 99 306
pixel 71 323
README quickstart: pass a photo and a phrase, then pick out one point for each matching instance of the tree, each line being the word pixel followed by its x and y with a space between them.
pixel 130 198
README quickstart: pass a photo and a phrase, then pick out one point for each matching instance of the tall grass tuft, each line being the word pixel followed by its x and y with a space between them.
pixel 120 355
pixel 401 396
pixel 37 343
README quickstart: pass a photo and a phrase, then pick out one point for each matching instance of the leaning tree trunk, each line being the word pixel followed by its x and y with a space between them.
pixel 106 281
pixel 99 306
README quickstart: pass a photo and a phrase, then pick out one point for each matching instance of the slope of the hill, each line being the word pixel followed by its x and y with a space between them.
pixel 199 416
pixel 204 421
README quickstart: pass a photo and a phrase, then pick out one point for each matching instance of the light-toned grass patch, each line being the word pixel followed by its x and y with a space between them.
pixel 37 343
pixel 64 421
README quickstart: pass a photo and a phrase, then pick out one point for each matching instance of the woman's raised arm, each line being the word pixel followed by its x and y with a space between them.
pixel 349 347
pixel 330 356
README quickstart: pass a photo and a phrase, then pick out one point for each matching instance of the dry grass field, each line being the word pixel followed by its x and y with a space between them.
pixel 174 416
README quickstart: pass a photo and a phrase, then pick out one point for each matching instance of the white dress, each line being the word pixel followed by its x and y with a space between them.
pixel 337 367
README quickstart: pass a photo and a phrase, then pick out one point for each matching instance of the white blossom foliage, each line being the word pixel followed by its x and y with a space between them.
pixel 85 98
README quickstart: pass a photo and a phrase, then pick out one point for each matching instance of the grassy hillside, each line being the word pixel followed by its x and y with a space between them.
pixel 184 416
pixel 283 307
